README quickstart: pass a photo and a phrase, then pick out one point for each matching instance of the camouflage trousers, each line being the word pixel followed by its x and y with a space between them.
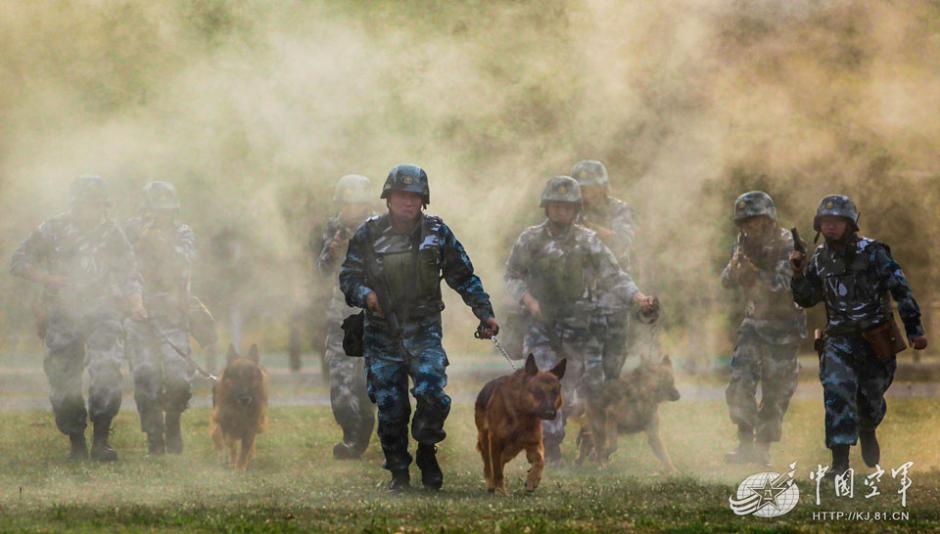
pixel 854 383
pixel 162 378
pixel 349 398
pixel 95 342
pixel 584 373
pixel 614 328
pixel 776 369
pixel 389 364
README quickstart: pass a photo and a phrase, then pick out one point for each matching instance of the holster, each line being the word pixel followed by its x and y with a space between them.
pixel 885 339
pixel 353 333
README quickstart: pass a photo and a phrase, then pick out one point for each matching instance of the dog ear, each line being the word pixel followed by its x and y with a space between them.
pixel 559 370
pixel 232 353
pixel 531 368
pixel 253 353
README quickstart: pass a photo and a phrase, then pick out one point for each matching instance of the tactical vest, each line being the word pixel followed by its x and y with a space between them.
pixel 412 277
pixel 854 299
pixel 558 279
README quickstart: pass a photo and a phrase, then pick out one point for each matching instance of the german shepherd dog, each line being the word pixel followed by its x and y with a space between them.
pixel 508 413
pixel 239 406
pixel 628 405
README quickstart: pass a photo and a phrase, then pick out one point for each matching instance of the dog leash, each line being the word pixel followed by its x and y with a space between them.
pixel 499 347
pixel 182 354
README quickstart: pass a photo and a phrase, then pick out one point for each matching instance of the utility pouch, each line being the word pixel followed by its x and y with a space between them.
pixel 885 339
pixel 353 332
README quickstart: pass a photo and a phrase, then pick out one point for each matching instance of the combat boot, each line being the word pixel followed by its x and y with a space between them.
pixel 840 461
pixel 761 453
pixel 174 435
pixel 79 452
pixel 100 448
pixel 155 444
pixel 345 451
pixel 744 452
pixel 431 475
pixel 401 481
pixel 871 450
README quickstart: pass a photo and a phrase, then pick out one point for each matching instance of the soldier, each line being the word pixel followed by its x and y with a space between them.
pixel 393 269
pixel 556 270
pixel 770 333
pixel 853 276
pixel 89 278
pixel 349 399
pixel 165 249
pixel 613 221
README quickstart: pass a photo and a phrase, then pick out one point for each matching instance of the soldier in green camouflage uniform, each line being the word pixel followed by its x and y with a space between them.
pixel 165 249
pixel 770 333
pixel 90 280
pixel 613 221
pixel 557 270
pixel 349 399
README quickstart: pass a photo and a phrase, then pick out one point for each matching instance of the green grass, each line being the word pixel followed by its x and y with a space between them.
pixel 294 485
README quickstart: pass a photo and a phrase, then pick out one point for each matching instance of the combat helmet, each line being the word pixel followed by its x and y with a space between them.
pixel 561 189
pixel 836 206
pixel 352 189
pixel 590 172
pixel 160 196
pixel 408 178
pixel 754 204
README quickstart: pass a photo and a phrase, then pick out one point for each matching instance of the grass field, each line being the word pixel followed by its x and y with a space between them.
pixel 294 485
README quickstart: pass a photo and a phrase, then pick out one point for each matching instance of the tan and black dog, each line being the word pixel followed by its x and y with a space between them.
pixel 509 412
pixel 239 406
pixel 628 405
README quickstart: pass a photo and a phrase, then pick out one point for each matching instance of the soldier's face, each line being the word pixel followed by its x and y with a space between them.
pixel 756 226
pixel 404 205
pixel 833 228
pixel 593 194
pixel 354 213
pixel 561 212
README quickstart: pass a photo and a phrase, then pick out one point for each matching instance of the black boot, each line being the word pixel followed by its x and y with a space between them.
pixel 744 453
pixel 840 461
pixel 431 475
pixel 174 435
pixel 100 449
pixel 871 451
pixel 155 444
pixel 79 451
pixel 401 481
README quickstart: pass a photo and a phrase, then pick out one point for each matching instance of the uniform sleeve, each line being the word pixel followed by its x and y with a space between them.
pixel 320 246
pixel 185 250
pixel 727 277
pixel 807 290
pixel 623 226
pixel 609 273
pixel 459 275
pixel 516 270
pixel 124 264
pixel 353 274
pixel 892 279
pixel 32 252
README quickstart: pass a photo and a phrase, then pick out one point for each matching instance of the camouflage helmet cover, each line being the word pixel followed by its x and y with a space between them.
pixel 88 190
pixel 590 172
pixel 836 206
pixel 352 189
pixel 159 195
pixel 408 178
pixel 754 204
pixel 561 189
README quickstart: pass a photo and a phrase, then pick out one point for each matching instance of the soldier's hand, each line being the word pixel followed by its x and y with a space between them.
pixel 531 304
pixel 337 243
pixel 797 262
pixel 372 302
pixel 489 328
pixel 919 342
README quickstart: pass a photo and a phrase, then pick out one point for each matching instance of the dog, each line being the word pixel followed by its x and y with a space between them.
pixel 508 414
pixel 239 406
pixel 628 405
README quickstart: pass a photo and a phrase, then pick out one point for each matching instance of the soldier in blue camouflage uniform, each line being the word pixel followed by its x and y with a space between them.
pixel 349 399
pixel 853 276
pixel 557 270
pixel 90 280
pixel 403 255
pixel 612 219
pixel 165 249
pixel 770 333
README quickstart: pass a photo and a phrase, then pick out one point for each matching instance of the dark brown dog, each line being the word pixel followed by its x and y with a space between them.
pixel 628 405
pixel 508 413
pixel 239 406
